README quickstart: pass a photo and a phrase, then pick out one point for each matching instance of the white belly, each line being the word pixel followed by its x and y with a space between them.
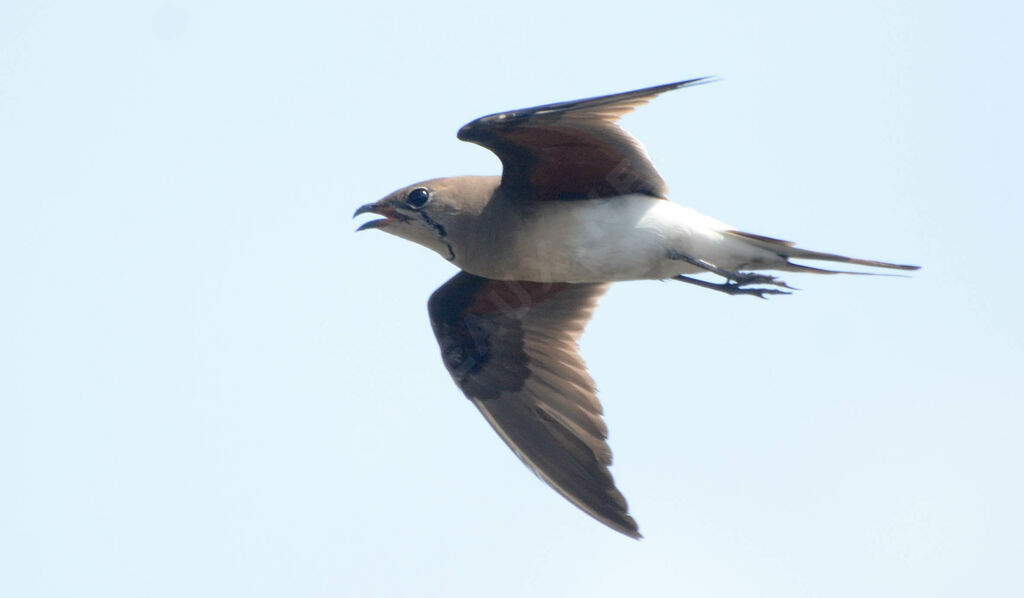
pixel 623 238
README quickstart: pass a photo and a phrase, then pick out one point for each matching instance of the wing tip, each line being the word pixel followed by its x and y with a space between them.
pixel 473 130
pixel 630 529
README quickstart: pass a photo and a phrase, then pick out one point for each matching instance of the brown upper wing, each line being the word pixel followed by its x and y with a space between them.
pixel 511 348
pixel 572 150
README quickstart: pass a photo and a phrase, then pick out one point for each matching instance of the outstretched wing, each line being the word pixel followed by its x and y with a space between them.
pixel 511 347
pixel 572 150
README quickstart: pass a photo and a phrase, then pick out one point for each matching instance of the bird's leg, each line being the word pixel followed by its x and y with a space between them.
pixel 731 288
pixel 737 281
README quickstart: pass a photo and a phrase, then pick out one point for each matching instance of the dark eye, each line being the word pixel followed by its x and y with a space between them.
pixel 417 198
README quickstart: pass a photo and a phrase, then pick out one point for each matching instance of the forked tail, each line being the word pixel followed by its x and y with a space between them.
pixel 787 250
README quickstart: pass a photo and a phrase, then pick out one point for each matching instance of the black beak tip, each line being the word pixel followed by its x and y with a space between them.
pixel 363 209
pixel 371 208
pixel 372 224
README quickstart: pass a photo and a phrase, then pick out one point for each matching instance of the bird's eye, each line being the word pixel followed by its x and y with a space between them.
pixel 417 198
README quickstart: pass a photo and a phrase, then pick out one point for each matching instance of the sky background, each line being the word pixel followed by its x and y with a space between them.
pixel 210 386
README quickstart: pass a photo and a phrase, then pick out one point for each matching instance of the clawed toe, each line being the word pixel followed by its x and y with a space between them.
pixel 747 278
pixel 735 288
pixel 736 282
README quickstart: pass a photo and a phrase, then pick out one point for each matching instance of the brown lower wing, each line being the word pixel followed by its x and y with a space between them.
pixel 511 347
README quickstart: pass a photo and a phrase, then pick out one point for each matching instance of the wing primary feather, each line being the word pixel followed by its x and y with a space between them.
pixel 572 150
pixel 511 348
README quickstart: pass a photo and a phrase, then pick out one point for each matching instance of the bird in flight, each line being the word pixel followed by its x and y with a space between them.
pixel 578 205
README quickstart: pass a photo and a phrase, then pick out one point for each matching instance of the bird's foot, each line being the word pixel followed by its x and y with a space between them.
pixel 738 288
pixel 746 278
pixel 737 282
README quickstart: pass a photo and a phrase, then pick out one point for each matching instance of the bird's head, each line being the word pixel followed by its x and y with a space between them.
pixel 432 213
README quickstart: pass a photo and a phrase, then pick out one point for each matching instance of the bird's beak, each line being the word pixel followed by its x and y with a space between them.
pixel 389 215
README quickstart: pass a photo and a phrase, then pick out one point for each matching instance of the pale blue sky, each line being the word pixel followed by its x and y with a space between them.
pixel 212 387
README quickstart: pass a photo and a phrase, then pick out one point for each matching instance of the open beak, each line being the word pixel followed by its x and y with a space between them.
pixel 389 216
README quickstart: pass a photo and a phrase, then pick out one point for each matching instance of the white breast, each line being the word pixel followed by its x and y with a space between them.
pixel 622 238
